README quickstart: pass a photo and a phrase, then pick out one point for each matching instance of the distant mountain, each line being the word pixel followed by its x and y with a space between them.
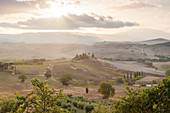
pixel 49 38
pixel 154 41
pixel 164 44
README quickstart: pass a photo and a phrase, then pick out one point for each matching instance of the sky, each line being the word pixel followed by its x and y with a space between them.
pixel 110 20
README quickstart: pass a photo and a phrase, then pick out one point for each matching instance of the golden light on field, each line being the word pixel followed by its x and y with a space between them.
pixel 57 9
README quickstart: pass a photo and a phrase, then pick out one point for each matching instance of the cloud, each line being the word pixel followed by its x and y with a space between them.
pixel 5 24
pixel 71 21
pixel 20 6
pixel 135 5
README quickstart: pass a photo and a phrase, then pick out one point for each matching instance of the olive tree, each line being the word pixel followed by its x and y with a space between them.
pixel 106 90
pixel 48 74
pixel 22 77
pixel 65 79
pixel 41 99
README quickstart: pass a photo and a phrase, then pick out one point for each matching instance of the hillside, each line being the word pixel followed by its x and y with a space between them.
pixel 154 41
pixel 164 44
pixel 101 50
pixel 84 71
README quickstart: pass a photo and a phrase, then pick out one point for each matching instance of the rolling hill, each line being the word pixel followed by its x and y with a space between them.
pixel 164 44
pixel 154 41
pixel 101 50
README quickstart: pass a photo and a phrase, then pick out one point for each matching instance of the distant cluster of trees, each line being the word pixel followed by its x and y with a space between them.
pixel 145 61
pixel 142 60
pixel 131 77
pixel 4 66
pixel 84 56
pixel 163 58
pixel 31 61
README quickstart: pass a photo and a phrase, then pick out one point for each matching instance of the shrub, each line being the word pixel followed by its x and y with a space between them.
pixel 142 84
pixel 150 100
pixel 6 106
pixel 106 89
pixel 74 109
pixel 65 79
pixel 154 82
pixel 119 79
pixel 65 105
pixel 80 98
pixel 59 102
pixel 22 77
pixel 75 103
pixel 70 95
pixel 68 100
pixel 80 105
pixel 130 82
pixel 89 107
pixel 168 72
pixel 102 108
pixel 41 99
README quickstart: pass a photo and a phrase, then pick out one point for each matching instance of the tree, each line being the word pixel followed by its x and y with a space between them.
pixel 92 56
pixel 6 105
pixel 168 72
pixel 65 79
pixel 106 90
pixel 150 100
pixel 48 74
pixel 22 77
pixel 127 76
pixel 41 99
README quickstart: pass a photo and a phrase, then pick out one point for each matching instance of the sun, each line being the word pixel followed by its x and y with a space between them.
pixel 58 9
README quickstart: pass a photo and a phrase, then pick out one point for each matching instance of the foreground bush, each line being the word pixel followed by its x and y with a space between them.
pixel 151 100
pixel 89 108
pixel 6 105
pixel 40 100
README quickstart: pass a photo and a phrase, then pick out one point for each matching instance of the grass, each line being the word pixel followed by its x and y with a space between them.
pixel 31 69
pixel 85 72
pixel 9 84
pixel 6 71
pixel 11 60
pixel 165 66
